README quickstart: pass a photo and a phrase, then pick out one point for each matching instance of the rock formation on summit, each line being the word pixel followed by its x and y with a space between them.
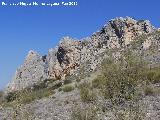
pixel 33 70
pixel 70 54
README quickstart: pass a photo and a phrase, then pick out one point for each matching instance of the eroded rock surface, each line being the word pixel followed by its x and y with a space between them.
pixel 33 70
pixel 70 54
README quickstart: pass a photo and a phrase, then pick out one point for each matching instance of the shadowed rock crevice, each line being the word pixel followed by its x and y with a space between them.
pixel 118 29
pixel 61 56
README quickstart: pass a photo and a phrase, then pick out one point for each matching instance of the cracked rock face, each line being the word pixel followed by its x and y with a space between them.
pixel 70 54
pixel 121 31
pixel 63 59
pixel 32 71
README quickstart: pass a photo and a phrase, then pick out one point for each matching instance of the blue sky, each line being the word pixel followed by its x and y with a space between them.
pixel 40 28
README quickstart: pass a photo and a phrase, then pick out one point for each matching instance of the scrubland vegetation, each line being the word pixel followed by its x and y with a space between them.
pixel 126 80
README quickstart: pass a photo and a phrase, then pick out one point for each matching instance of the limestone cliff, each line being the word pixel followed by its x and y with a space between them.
pixel 70 54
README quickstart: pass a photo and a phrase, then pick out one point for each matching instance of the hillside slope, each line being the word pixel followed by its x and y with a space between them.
pixel 112 75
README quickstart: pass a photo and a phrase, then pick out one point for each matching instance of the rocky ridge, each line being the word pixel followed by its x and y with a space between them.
pixel 70 54
pixel 72 59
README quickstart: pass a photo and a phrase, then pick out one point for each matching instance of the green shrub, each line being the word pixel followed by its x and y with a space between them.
pixel 78 79
pixel 153 75
pixel 131 113
pixel 1 93
pixel 117 85
pixel 11 96
pixel 85 43
pixel 86 92
pixel 67 88
pixel 43 84
pixel 149 91
pixel 1 96
pixel 149 74
pixel 121 78
pixel 39 86
pixel 67 82
pixel 60 89
pixel 87 113
pixel 42 89
pixel 29 96
pixel 156 77
pixel 55 85
pixel 98 82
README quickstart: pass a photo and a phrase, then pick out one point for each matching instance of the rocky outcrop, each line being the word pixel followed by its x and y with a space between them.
pixel 70 54
pixel 33 70
pixel 121 31
pixel 64 58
